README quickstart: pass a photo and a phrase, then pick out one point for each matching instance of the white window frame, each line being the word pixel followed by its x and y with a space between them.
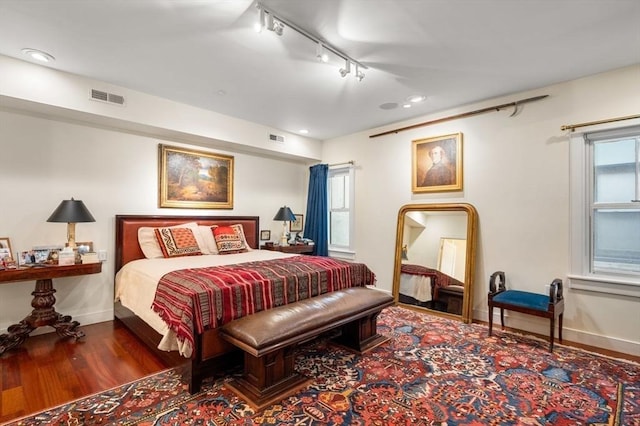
pixel 345 252
pixel 581 277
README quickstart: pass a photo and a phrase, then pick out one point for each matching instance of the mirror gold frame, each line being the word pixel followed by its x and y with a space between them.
pixel 401 249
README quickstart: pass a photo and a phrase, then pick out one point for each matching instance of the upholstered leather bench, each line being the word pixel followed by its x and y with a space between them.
pixel 551 306
pixel 268 338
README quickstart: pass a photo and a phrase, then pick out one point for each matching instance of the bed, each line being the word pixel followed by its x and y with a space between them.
pixel 421 286
pixel 203 351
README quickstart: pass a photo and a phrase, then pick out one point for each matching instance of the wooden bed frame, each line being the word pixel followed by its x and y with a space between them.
pixel 211 353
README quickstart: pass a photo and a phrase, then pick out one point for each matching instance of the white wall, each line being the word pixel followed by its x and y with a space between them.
pixel 516 173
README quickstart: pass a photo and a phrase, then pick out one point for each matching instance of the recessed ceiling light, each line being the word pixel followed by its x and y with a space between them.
pixel 414 99
pixel 388 105
pixel 303 131
pixel 38 55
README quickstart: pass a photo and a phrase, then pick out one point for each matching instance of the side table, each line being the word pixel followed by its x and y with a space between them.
pixel 298 248
pixel 43 313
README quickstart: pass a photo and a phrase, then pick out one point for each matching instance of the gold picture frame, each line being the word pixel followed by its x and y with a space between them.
pixel 191 179
pixel 437 164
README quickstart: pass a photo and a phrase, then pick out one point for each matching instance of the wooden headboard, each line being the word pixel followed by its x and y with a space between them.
pixel 128 249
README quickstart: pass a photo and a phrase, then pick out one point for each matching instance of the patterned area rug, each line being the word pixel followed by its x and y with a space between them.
pixel 433 371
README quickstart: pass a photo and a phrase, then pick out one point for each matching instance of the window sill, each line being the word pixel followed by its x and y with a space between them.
pixel 605 284
pixel 342 254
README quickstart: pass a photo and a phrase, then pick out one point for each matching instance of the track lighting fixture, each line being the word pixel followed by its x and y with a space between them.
pixel 347 68
pixel 260 24
pixel 272 22
pixel 278 27
pixel 359 74
pixel 321 55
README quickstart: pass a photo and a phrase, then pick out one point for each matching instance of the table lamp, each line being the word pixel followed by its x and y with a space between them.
pixel 71 211
pixel 285 215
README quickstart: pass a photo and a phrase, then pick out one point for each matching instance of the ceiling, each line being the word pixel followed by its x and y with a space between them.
pixel 206 53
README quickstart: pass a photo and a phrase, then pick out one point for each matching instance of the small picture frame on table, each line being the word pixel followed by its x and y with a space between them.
pixel 6 254
pixel 5 249
pixel 265 235
pixel 297 225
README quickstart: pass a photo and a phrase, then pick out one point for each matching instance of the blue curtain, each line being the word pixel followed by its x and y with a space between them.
pixel 316 226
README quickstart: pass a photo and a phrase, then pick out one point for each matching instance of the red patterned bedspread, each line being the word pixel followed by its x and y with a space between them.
pixel 192 300
pixel 439 279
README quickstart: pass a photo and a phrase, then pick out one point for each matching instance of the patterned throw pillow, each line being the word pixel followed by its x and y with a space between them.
pixel 176 242
pixel 229 239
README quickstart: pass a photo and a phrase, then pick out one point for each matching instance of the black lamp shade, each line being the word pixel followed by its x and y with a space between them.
pixel 285 214
pixel 71 211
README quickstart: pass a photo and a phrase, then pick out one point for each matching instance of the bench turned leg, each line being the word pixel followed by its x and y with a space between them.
pixel 268 378
pixel 361 335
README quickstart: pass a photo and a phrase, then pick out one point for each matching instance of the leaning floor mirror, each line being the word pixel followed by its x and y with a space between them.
pixel 435 258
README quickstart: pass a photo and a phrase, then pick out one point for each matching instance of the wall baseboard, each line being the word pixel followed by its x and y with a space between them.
pixel 531 324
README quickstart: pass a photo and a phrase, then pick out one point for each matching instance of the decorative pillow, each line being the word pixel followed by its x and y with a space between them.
pixel 175 242
pixel 229 239
pixel 149 242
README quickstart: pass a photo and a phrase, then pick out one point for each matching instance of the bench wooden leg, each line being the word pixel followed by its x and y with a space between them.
pixel 361 335
pixel 560 328
pixel 490 319
pixel 502 317
pixel 269 378
pixel 552 332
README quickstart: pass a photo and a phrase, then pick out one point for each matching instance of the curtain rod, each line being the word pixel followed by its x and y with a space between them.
pixel 572 127
pixel 350 162
pixel 496 108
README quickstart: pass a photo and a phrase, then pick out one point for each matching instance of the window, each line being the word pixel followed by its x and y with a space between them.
pixel 605 186
pixel 615 203
pixel 341 193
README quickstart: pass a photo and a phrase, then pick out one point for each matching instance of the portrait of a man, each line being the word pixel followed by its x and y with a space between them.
pixel 437 164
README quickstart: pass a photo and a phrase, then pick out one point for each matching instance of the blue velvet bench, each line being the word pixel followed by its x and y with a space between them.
pixel 551 306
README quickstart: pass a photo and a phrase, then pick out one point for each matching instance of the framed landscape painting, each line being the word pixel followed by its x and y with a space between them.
pixel 437 164
pixel 192 179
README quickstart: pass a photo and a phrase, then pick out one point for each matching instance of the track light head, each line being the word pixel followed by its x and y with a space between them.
pixel 321 55
pixel 259 25
pixel 346 70
pixel 278 27
pixel 359 74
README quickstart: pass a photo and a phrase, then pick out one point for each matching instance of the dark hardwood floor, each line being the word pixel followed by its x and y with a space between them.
pixel 47 371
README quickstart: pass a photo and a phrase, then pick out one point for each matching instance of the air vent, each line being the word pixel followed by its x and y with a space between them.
pixel 110 98
pixel 276 138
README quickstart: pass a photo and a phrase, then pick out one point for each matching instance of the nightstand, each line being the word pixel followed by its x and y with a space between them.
pixel 43 300
pixel 298 249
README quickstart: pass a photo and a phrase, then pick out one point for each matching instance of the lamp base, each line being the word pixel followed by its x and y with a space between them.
pixel 284 240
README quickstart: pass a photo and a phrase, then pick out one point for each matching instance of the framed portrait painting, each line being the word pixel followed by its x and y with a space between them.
pixel 437 164
pixel 194 179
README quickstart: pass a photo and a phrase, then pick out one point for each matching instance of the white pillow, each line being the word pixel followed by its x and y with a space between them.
pixel 209 243
pixel 149 243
